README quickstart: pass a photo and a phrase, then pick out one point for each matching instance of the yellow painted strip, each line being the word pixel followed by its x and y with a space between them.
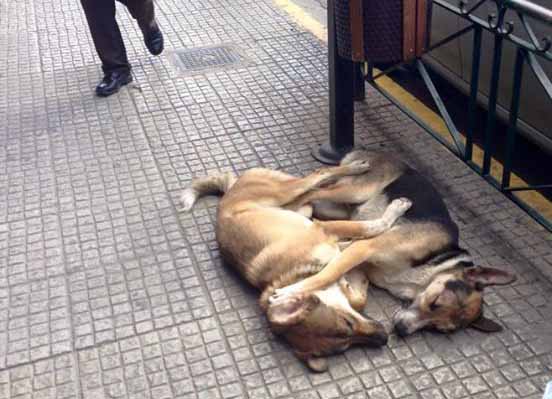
pixel 432 119
pixel 533 198
pixel 303 18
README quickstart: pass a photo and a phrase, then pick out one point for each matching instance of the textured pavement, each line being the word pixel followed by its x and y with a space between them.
pixel 106 291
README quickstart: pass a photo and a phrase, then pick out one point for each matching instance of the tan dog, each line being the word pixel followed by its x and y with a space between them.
pixel 418 259
pixel 272 247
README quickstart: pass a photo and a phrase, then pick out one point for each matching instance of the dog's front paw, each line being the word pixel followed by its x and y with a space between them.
pixel 359 166
pixel 284 293
pixel 399 206
pixel 187 200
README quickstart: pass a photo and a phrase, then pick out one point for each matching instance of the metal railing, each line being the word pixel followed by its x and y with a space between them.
pixel 345 84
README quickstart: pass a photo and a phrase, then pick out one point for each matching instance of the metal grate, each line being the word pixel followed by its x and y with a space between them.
pixel 203 59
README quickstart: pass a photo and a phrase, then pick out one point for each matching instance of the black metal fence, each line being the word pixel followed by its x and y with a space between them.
pixel 346 83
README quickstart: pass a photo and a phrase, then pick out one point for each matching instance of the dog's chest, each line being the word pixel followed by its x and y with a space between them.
pixel 419 276
pixel 324 253
pixel 402 282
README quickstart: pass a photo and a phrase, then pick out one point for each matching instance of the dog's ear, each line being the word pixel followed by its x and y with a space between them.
pixel 484 276
pixel 486 325
pixel 318 364
pixel 289 312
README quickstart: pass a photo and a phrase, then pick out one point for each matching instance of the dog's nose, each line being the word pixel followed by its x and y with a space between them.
pixel 379 339
pixel 373 335
pixel 401 328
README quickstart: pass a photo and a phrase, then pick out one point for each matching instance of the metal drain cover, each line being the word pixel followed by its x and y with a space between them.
pixel 205 59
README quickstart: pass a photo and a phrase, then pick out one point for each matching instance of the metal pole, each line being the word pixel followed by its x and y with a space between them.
pixel 514 109
pixel 454 133
pixel 472 108
pixel 359 86
pixel 493 98
pixel 341 75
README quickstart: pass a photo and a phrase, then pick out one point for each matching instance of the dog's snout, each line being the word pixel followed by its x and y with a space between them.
pixel 401 328
pixel 408 321
pixel 373 333
pixel 379 338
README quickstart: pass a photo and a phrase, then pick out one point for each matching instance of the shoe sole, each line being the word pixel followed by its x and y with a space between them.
pixel 156 52
pixel 159 40
pixel 124 83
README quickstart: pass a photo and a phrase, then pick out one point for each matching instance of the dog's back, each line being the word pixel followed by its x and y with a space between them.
pixel 427 204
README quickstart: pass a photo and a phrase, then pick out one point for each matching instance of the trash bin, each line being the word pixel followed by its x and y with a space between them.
pixel 382 31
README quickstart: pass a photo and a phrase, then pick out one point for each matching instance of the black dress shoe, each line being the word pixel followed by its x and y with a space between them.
pixel 154 41
pixel 112 82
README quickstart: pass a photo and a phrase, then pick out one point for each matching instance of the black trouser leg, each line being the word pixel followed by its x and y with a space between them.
pixel 143 12
pixel 106 34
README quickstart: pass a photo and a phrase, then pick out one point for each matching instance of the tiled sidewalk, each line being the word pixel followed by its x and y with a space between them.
pixel 106 291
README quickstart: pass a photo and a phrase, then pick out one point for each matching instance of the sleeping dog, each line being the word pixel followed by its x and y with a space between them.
pixel 272 246
pixel 418 259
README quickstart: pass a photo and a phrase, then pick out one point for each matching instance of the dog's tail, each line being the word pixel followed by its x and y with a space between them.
pixel 210 185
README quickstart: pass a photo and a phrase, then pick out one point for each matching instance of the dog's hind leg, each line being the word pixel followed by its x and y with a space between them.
pixel 339 193
pixel 344 229
pixel 284 192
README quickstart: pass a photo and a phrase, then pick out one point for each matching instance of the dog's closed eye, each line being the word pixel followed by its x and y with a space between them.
pixel 434 305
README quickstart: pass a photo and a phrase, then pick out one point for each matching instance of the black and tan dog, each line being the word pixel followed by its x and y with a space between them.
pixel 418 259
pixel 273 247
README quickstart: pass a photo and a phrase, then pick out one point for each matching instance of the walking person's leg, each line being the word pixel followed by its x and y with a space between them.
pixel 108 41
pixel 143 11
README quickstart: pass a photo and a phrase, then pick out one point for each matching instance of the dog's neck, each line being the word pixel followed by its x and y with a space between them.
pixel 410 282
pixel 288 278
pixel 416 280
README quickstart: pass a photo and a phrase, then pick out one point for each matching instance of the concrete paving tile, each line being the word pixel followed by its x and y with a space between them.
pixel 107 291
